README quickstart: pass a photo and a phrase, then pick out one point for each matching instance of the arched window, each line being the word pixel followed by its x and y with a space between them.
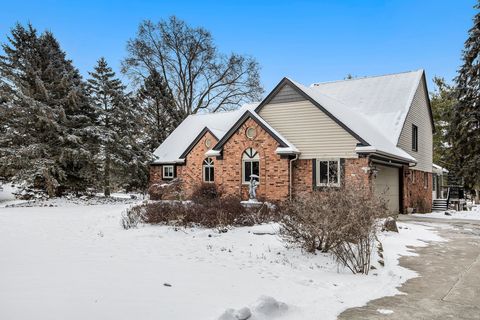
pixel 208 170
pixel 250 164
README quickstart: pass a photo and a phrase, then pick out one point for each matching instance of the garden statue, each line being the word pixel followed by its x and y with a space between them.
pixel 252 187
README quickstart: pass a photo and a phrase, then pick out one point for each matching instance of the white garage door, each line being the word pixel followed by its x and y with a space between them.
pixel 386 184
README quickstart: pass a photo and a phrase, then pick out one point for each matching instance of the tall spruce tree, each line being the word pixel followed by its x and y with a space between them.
pixel 160 115
pixel 442 101
pixel 122 154
pixel 465 126
pixel 46 113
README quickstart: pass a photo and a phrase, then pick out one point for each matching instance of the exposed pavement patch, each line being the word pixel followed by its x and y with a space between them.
pixel 448 286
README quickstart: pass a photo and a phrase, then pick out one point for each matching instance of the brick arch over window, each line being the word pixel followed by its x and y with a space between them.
pixel 273 167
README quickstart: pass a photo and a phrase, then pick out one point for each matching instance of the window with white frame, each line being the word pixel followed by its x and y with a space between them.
pixel 168 172
pixel 328 173
pixel 250 165
pixel 208 170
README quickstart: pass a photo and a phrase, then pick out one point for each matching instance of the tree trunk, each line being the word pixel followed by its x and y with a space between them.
pixel 106 177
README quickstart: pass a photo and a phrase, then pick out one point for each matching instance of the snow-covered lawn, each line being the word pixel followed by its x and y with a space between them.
pixel 76 262
pixel 474 214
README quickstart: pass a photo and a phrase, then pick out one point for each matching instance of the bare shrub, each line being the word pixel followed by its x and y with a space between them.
pixel 207 208
pixel 205 192
pixel 171 190
pixel 338 220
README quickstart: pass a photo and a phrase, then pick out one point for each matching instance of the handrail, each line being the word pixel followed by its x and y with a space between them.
pixel 448 197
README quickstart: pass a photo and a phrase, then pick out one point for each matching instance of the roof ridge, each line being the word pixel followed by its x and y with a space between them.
pixel 225 111
pixel 315 84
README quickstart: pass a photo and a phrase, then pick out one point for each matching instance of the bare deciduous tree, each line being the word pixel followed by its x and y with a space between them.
pixel 197 75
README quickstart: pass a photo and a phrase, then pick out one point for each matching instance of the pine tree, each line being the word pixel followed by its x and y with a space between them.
pixel 465 127
pixel 46 113
pixel 160 116
pixel 442 101
pixel 122 154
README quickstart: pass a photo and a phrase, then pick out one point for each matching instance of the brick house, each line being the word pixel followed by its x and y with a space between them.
pixel 299 139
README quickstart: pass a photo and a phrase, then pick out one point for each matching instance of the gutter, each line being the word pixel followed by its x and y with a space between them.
pixel 158 163
pixel 290 178
pixel 373 150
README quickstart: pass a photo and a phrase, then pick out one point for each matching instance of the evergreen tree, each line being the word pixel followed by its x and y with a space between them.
pixel 160 116
pixel 122 155
pixel 465 126
pixel 46 113
pixel 442 101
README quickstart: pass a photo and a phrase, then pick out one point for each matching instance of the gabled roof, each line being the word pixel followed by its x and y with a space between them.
pixel 171 150
pixel 356 123
pixel 284 145
pixel 180 142
pixel 384 101
pixel 373 110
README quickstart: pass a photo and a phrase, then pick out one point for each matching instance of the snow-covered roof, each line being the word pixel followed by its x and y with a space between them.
pixel 171 150
pixel 373 109
pixel 180 139
pixel 357 122
pixel 383 101
pixel 439 169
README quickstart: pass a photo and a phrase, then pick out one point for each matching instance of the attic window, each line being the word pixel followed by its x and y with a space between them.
pixel 414 137
pixel 251 133
pixel 208 142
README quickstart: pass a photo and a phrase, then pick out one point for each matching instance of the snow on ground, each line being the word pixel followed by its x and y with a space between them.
pixel 6 196
pixel 76 262
pixel 474 214
pixel 7 199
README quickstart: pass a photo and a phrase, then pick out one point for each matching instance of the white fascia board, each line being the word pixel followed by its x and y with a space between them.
pixel 372 149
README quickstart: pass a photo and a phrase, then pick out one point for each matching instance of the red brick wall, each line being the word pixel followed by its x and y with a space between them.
pixel 415 194
pixel 156 174
pixel 273 168
pixel 353 171
pixel 274 176
pixel 302 177
pixel 356 171
pixel 191 173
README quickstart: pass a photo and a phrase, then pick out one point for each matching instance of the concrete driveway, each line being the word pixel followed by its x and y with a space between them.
pixel 449 282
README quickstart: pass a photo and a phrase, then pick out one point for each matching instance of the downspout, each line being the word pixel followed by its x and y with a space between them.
pixel 290 179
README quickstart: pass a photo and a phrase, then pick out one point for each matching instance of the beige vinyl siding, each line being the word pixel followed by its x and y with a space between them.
pixel 287 94
pixel 419 116
pixel 314 133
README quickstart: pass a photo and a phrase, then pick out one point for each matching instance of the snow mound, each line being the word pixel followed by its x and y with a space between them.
pixel 384 311
pixel 266 307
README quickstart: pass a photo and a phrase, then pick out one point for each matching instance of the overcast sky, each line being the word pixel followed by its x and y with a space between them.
pixel 309 41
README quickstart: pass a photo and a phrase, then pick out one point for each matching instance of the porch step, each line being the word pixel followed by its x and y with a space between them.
pixel 440 205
